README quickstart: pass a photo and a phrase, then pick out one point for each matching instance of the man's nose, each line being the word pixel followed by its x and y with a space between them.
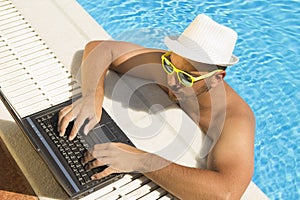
pixel 173 81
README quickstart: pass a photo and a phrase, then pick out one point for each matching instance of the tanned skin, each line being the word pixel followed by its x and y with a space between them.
pixel 229 164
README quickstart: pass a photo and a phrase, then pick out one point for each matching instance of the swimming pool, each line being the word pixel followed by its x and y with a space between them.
pixel 267 76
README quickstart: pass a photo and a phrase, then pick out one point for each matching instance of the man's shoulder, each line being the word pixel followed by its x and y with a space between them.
pixel 237 107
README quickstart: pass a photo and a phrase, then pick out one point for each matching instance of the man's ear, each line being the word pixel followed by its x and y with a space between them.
pixel 217 78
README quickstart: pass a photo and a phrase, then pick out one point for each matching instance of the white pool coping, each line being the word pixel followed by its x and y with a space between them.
pixel 66 28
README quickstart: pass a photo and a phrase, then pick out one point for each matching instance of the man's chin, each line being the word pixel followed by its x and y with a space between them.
pixel 181 97
pixel 174 98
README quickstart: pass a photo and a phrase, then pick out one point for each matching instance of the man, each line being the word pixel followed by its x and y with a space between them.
pixel 192 75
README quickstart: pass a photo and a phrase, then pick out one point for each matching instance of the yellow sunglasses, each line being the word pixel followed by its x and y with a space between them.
pixel 185 78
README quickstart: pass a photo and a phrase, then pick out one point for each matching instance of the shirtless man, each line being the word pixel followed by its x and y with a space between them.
pixel 193 69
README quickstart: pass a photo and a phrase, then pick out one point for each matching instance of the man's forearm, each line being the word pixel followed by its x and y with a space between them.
pixel 189 183
pixel 97 59
pixel 93 70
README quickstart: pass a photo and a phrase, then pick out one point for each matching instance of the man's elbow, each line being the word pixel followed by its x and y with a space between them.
pixel 232 191
pixel 228 195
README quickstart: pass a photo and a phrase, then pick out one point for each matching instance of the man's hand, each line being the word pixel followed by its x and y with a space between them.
pixel 118 157
pixel 85 108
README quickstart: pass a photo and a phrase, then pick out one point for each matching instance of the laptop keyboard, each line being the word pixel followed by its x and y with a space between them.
pixel 72 151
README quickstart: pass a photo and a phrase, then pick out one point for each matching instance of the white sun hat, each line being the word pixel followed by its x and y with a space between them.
pixel 205 41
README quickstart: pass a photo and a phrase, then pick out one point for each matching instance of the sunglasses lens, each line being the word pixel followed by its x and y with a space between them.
pixel 185 79
pixel 167 66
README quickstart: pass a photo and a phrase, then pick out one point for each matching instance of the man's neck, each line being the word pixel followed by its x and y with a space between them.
pixel 207 106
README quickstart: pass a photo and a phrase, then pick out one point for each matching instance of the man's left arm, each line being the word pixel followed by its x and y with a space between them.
pixel 230 166
pixel 233 155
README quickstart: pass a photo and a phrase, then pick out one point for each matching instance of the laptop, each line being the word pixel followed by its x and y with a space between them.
pixel 63 156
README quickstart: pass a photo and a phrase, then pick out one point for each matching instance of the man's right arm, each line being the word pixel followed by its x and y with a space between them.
pixel 98 57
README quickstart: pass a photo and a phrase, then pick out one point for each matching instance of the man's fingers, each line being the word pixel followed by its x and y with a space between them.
pixel 73 133
pixel 98 151
pixel 61 115
pixel 90 125
pixel 76 127
pixel 65 122
pixel 95 163
pixel 87 157
pixel 104 173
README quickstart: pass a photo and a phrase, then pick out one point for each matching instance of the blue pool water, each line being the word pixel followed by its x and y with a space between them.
pixel 267 76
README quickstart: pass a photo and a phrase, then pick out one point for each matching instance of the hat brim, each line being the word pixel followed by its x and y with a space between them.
pixel 190 50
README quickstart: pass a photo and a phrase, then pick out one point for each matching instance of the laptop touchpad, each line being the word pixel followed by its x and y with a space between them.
pixel 102 134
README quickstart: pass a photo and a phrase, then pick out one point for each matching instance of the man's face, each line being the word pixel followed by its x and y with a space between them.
pixel 181 92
